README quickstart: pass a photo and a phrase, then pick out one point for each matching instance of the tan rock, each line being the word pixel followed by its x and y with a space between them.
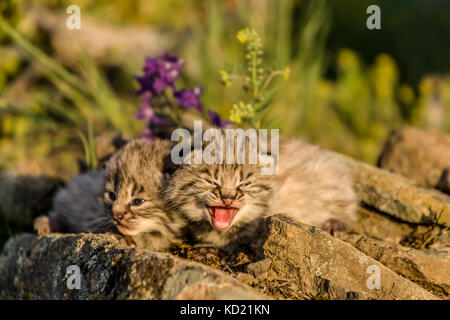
pixel 428 268
pixel 312 264
pixel 380 226
pixel 443 183
pixel 398 196
pixel 419 154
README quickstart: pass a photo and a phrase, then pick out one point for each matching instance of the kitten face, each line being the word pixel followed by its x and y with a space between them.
pixel 222 195
pixel 132 181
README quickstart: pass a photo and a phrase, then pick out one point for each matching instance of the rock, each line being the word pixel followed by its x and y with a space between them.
pixel 381 226
pixel 444 181
pixel 398 196
pixel 428 268
pixel 421 155
pixel 22 198
pixel 309 263
pixel 32 268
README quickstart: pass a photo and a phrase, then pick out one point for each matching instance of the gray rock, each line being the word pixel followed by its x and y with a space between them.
pixel 22 198
pixel 32 268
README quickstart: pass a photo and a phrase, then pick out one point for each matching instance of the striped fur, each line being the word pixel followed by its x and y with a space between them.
pixel 136 172
pixel 194 187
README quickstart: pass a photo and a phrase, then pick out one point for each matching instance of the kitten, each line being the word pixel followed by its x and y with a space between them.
pixel 224 202
pixel 78 207
pixel 133 178
pixel 124 198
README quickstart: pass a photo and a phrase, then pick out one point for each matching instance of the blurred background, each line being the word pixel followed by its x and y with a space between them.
pixel 348 86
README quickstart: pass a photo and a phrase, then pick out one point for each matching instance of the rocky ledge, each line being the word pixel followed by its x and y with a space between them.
pixel 398 249
pixel 293 261
pixel 32 268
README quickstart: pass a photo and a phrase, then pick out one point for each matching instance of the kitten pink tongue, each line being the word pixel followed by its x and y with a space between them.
pixel 222 217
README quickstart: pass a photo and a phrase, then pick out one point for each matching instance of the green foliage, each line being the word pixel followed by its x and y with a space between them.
pixel 257 82
pixel 341 98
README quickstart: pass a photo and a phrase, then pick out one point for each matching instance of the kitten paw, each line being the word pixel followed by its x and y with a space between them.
pixel 334 227
pixel 42 225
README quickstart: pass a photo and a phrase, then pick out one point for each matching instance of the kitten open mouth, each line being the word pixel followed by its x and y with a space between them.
pixel 221 217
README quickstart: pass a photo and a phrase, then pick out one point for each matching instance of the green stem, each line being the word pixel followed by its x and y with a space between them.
pixel 254 74
pixel 41 56
pixel 173 110
pixel 269 79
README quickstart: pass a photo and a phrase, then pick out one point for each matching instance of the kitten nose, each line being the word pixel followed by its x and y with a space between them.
pixel 118 215
pixel 228 194
pixel 118 212
pixel 227 202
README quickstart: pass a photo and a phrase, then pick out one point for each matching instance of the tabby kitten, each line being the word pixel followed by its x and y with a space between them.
pixel 133 180
pixel 124 198
pixel 221 202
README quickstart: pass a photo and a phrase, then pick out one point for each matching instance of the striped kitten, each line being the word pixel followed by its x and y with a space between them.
pixel 221 202
pixel 130 202
pixel 224 202
pixel 133 180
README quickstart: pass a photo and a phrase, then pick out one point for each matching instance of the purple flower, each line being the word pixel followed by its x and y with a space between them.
pixel 147 133
pixel 146 84
pixel 151 122
pixel 169 69
pixel 151 66
pixel 190 98
pixel 160 73
pixel 217 121
pixel 151 118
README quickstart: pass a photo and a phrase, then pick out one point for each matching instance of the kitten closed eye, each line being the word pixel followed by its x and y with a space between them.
pixel 213 183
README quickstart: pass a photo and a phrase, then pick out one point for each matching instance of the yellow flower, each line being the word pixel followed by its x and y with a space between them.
pixel 406 94
pixel 324 89
pixel 347 58
pixel 240 111
pixel 286 73
pixel 243 35
pixel 226 79
pixel 235 114
pixel 426 86
pixel 384 76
